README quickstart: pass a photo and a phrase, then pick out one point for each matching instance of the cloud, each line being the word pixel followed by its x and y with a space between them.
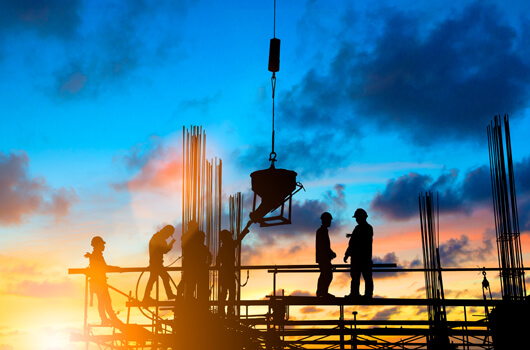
pixel 310 310
pixel 431 82
pixel 457 251
pixel 8 266
pixel 202 104
pixel 22 196
pixel 386 314
pixel 155 167
pixel 302 293
pixel 99 43
pixel 49 18
pixel 524 215
pixel 337 199
pixel 399 199
pixel 310 156
pixel 392 258
pixel 45 289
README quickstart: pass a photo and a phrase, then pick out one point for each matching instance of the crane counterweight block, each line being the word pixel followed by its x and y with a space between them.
pixel 274 55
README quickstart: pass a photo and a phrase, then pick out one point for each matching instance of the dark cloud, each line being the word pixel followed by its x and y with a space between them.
pixel 392 258
pixel 54 18
pixel 305 217
pixel 522 176
pixel 524 215
pixel 457 251
pixel 100 43
pixel 399 199
pixel 386 314
pixel 432 82
pixel 310 157
pixel 22 196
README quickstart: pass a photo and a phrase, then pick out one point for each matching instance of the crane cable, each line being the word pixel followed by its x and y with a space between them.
pixel 272 156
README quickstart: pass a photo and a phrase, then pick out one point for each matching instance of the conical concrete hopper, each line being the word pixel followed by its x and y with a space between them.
pixel 274 186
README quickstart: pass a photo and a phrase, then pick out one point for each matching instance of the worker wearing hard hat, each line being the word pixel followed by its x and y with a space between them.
pixel 97 272
pixel 158 246
pixel 360 253
pixel 324 255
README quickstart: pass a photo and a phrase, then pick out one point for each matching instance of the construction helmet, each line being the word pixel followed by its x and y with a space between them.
pixel 225 234
pixel 326 215
pixel 97 240
pixel 360 213
pixel 168 229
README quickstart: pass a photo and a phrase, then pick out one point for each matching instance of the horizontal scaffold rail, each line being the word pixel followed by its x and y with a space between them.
pixel 317 301
pixel 297 269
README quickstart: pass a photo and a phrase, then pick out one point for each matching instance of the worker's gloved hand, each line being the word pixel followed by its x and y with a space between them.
pixel 333 255
pixel 345 259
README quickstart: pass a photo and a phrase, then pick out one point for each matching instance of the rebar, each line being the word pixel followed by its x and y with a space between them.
pixel 505 211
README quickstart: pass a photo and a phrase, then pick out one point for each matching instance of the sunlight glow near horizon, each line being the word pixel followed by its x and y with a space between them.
pixel 95 95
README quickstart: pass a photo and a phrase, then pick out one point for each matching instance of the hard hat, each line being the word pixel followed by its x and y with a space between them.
pixel 224 234
pixel 360 213
pixel 326 215
pixel 168 229
pixel 97 240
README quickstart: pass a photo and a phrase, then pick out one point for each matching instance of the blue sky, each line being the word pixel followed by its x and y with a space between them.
pixel 375 102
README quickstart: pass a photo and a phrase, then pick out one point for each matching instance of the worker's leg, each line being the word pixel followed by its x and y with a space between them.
pixel 222 294
pixel 355 274
pixel 153 276
pixel 167 285
pixel 368 279
pixel 325 278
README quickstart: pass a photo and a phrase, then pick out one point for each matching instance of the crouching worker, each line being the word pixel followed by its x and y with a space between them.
pixel 97 272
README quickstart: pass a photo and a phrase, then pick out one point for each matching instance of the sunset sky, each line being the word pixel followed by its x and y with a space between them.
pixel 376 101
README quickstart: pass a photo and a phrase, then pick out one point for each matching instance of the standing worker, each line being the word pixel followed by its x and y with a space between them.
pixel 200 259
pixel 158 246
pixel 226 260
pixel 324 255
pixel 97 272
pixel 185 242
pixel 360 252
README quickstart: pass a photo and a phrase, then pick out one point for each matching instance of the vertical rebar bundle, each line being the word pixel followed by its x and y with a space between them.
pixel 236 221
pixel 505 211
pixel 430 240
pixel 201 192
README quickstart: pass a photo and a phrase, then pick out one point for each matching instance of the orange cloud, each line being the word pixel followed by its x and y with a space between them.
pixel 45 289
pixel 157 167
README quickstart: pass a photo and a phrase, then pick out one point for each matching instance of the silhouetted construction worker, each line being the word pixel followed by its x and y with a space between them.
pixel 360 251
pixel 158 246
pixel 226 259
pixel 324 255
pixel 97 273
pixel 199 259
pixel 185 241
